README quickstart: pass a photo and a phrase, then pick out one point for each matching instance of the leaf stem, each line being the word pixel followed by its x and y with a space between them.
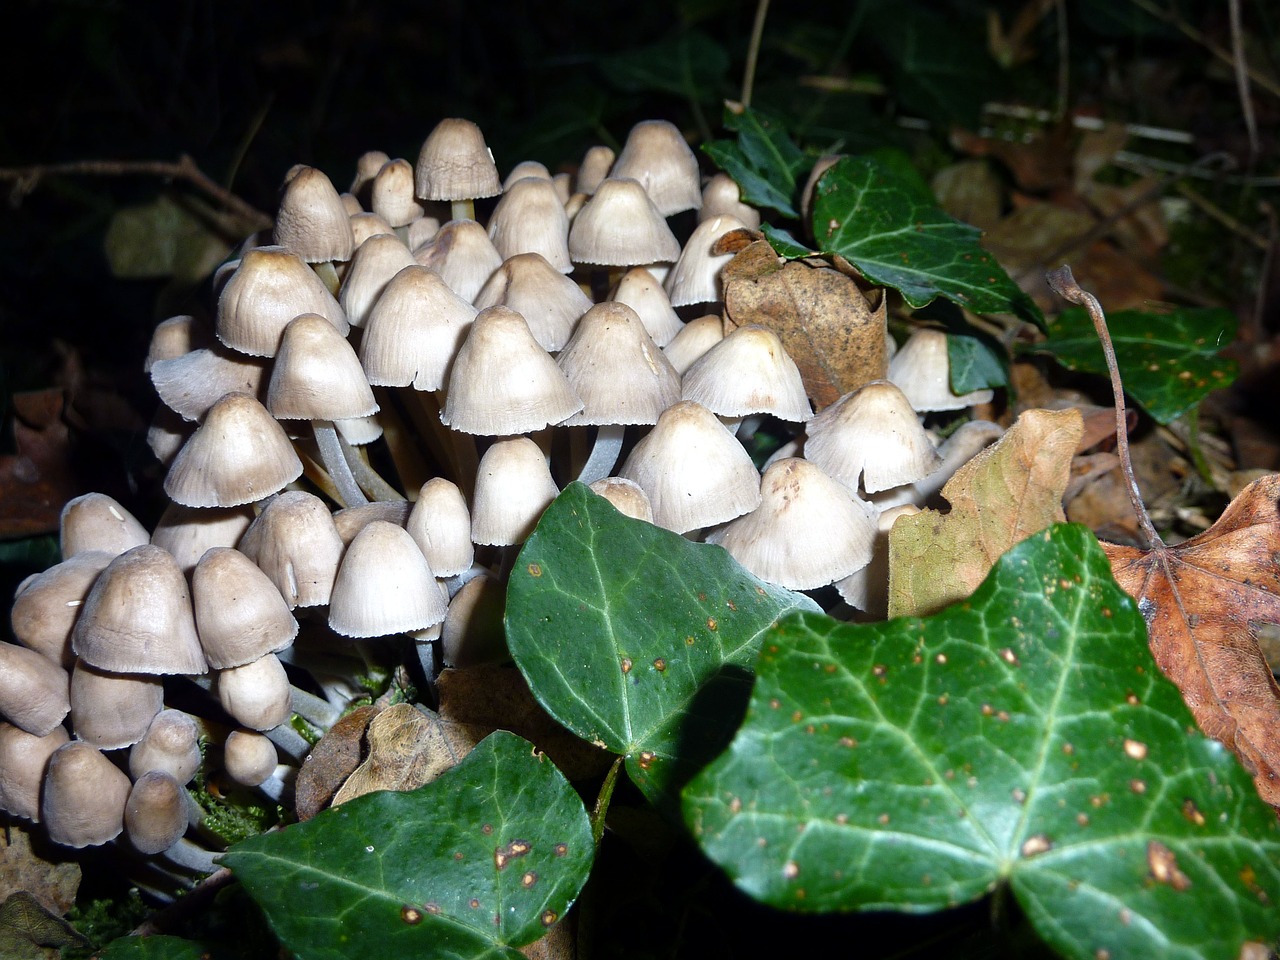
pixel 1064 284
pixel 602 800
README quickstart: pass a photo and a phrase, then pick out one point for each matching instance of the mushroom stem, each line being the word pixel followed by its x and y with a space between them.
pixel 604 454
pixel 365 476
pixel 289 741
pixel 315 710
pixel 349 492
pixel 327 272
pixel 279 786
pixel 462 209
pixel 455 583
pixel 190 856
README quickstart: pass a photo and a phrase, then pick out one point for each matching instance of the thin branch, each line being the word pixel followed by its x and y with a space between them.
pixel 753 51
pixel 26 179
pixel 1240 65
pixel 1065 286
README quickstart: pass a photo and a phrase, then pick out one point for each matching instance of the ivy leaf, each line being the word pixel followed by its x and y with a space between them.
pixel 635 638
pixel 1170 360
pixel 764 161
pixel 689 65
pixel 1023 737
pixel 879 215
pixel 478 861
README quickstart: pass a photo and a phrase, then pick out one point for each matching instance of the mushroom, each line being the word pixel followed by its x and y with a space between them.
pixel 82 803
pixel 455 164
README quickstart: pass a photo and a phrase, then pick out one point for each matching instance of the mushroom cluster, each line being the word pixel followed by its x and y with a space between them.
pixel 385 332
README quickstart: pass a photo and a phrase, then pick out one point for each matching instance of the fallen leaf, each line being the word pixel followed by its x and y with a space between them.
pixel 37 480
pixel 824 321
pixel 331 762
pixel 408 746
pixel 26 927
pixel 936 559
pixel 1200 599
pixel 52 882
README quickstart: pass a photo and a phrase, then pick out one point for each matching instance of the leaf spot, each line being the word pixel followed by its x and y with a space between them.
pixel 1138 786
pixel 1192 812
pixel 1019 795
pixel 987 710
pixel 626 664
pixel 660 665
pixel 369 849
pixel 410 915
pixel 1082 819
pixel 1037 844
pixel 1009 657
pixel 848 742
pixel 712 624
pixel 1068 748
pixel 1164 866
pixel 797 716
pixel 1135 749
pixel 941 658
pixel 942 700
pixel 560 849
pixel 487 829
pixel 549 917
pixel 473 903
pixel 432 908
pixel 646 759
pixel 791 869
pixel 535 570
pixel 528 879
pixel 883 819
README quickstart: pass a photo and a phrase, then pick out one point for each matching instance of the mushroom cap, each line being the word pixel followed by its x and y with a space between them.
pixel 138 619
pixel 365 225
pixel 693 470
pixel 84 795
pixel 34 690
pixel 269 288
pixel 657 154
pixel 171 744
pixel 192 383
pixel 593 169
pixel 113 710
pixel 367 166
pixel 456 164
pixel 248 757
pixel 351 520
pixel 619 226
pixel 296 543
pixel 24 759
pixel 871 437
pixel 503 382
pixel 696 338
pixel 384 586
pixel 238 455
pixel 807 532
pixel 47 605
pixel 257 694
pixel 748 372
pixel 627 497
pixel 240 615
pixel 156 812
pixel 317 375
pixel 378 259
pixel 720 195
pixel 175 336
pixel 696 276
pixel 922 370
pixel 96 521
pixel 311 220
pixel 187 532
pixel 464 256
pixel 440 524
pixel 513 488
pixel 640 290
pixel 616 369
pixel 473 633
pixel 414 331
pixel 531 219
pixel 550 302
pixel 391 195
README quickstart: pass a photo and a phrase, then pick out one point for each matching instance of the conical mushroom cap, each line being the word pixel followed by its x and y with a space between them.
pixel 922 370
pixel 311 221
pixel 530 219
pixel 24 758
pixel 257 694
pixel 240 616
pixel 550 302
pixel 414 331
pixel 373 265
pixel 513 488
pixel 33 690
pixel 96 521
pixel 296 543
pixel 47 605
pixel 871 437
pixel 619 226
pixel 156 814
pixel 694 471
pixel 808 530
pixel 464 256
pixel 391 195
pixel 238 455
pixel 248 757
pixel 502 382
pixel 440 525
pixel 138 618
pixel 384 586
pixel 269 288
pixel 640 290
pixel 113 710
pixel 171 744
pixel 84 796
pixel 696 276
pixel 657 154
pixel 455 163
pixel 748 372
pixel 317 375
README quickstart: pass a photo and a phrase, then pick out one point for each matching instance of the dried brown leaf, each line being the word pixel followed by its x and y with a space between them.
pixel 1007 492
pixel 52 882
pixel 825 323
pixel 331 762
pixel 1201 599
pixel 37 480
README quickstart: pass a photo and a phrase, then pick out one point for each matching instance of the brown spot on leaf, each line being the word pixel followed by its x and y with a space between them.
pixel 410 915
pixel 660 665
pixel 646 759
pixel 1192 812
pixel 535 570
pixel 626 664
pixel 791 870
pixel 1036 844
pixel 528 879
pixel 1163 865
pixel 1135 749
pixel 549 917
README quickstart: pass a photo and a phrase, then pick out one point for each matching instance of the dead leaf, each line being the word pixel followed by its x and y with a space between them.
pixel 37 480
pixel 408 746
pixel 331 762
pixel 52 882
pixel 824 321
pixel 498 698
pixel 936 559
pixel 28 930
pixel 1200 599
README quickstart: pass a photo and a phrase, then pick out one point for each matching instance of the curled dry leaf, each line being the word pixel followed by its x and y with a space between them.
pixel 331 761
pixel 1201 599
pixel 936 559
pixel 821 316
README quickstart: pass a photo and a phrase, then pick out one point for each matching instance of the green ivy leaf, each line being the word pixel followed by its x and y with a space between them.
pixel 690 65
pixel 764 161
pixel 1023 737
pixel 1169 360
pixel 162 239
pixel 162 948
pixel 879 215
pixel 635 638
pixel 478 861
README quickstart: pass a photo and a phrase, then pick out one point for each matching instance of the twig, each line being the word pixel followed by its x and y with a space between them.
pixel 753 51
pixel 26 179
pixel 1064 284
pixel 1240 65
